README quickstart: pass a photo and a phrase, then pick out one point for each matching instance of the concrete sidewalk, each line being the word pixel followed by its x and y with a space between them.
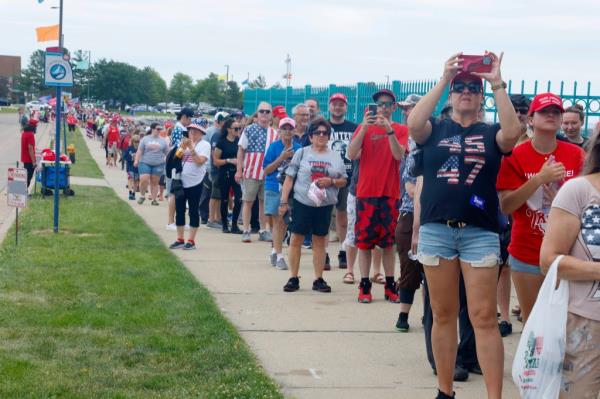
pixel 314 345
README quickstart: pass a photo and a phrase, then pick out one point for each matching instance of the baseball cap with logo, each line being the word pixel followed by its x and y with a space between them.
pixel 279 112
pixel 545 100
pixel 287 121
pixel 338 96
pixel 410 101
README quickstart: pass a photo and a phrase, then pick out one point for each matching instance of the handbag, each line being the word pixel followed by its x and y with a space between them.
pixel 538 364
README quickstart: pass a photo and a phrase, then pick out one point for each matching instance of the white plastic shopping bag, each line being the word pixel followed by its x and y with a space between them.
pixel 316 194
pixel 538 364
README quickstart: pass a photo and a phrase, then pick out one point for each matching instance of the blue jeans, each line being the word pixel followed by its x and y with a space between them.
pixel 471 244
pixel 154 170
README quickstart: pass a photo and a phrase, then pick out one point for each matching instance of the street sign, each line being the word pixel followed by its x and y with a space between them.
pixel 57 70
pixel 16 189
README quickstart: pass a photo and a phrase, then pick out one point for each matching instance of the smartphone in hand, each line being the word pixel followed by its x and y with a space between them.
pixel 477 63
pixel 373 109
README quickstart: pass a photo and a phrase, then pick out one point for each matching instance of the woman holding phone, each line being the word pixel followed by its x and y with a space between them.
pixel 461 158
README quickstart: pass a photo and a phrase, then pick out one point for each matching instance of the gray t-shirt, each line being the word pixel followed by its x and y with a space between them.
pixel 154 150
pixel 310 165
pixel 581 199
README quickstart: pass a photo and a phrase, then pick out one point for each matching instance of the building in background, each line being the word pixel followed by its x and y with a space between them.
pixel 10 67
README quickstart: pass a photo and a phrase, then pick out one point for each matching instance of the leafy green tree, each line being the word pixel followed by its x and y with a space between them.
pixel 180 89
pixel 259 83
pixel 32 80
pixel 154 87
pixel 81 77
pixel 233 95
pixel 118 81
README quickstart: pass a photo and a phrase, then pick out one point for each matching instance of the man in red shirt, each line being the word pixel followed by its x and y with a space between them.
pixel 380 144
pixel 28 148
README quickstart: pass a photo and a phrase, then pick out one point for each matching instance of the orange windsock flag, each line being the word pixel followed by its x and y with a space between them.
pixel 47 33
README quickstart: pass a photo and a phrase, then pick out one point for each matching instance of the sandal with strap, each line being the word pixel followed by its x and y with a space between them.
pixel 378 278
pixel 349 278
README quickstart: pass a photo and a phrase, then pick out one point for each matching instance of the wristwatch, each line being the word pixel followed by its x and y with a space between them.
pixel 499 86
pixel 390 133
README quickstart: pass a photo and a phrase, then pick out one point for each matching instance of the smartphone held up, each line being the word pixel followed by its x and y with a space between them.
pixel 477 63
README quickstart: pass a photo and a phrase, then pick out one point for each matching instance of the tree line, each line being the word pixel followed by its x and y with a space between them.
pixel 119 82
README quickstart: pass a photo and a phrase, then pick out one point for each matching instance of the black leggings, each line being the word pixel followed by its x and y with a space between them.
pixel 192 197
pixel 226 182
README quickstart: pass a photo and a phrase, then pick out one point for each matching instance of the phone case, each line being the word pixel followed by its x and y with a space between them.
pixel 477 63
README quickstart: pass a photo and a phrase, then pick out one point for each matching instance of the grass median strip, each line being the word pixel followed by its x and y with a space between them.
pixel 84 166
pixel 103 310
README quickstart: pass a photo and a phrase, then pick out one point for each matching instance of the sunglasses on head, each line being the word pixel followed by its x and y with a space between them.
pixel 264 111
pixel 320 132
pixel 472 87
pixel 522 110
pixel 385 104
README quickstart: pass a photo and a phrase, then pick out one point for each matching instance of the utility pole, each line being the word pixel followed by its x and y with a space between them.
pixel 288 70
pixel 227 74
pixel 88 73
pixel 58 122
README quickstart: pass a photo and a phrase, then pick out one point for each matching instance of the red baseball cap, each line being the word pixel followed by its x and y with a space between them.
pixel 384 92
pixel 545 100
pixel 338 96
pixel 279 112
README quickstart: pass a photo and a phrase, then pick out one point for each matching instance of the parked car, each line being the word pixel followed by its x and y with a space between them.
pixel 173 110
pixel 5 102
pixel 34 105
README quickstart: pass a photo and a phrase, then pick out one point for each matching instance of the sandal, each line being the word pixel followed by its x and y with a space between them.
pixel 378 278
pixel 349 278
pixel 516 310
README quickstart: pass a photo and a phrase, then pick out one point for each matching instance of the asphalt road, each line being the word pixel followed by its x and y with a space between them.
pixel 10 144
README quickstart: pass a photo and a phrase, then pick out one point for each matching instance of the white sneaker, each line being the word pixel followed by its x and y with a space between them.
pixel 171 227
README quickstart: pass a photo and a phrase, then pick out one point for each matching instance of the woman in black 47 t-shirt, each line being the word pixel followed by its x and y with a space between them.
pixel 458 218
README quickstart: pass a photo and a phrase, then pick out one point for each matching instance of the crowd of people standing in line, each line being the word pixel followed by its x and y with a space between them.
pixel 465 205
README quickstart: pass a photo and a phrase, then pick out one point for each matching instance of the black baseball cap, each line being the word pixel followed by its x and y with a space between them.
pixel 519 100
pixel 155 125
pixel 384 92
pixel 186 112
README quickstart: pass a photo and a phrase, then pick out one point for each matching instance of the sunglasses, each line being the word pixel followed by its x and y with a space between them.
pixel 385 104
pixel 321 133
pixel 472 87
pixel 236 129
pixel 522 110
pixel 264 111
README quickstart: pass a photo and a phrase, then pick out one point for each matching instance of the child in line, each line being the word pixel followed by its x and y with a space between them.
pixel 133 177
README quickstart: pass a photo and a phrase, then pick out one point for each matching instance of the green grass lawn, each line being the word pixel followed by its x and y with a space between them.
pixel 84 166
pixel 103 310
pixel 8 110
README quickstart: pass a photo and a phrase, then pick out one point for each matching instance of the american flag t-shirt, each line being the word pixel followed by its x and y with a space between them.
pixel 255 140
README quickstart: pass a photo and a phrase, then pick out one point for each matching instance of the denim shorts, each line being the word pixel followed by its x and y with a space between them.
pixel 271 202
pixel 518 266
pixel 146 169
pixel 471 244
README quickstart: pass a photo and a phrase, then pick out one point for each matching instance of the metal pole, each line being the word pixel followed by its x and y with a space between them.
pixel 17 220
pixel 88 73
pixel 58 117
pixel 227 74
pixel 57 151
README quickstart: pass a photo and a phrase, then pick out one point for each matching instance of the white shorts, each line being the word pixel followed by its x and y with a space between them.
pixel 350 240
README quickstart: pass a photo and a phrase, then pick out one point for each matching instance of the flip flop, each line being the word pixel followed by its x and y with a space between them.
pixel 378 278
pixel 349 278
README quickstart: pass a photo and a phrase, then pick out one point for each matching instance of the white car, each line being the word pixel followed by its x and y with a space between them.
pixel 174 110
pixel 34 105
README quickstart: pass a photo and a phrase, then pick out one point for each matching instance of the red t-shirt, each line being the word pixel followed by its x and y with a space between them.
pixel 529 221
pixel 379 172
pixel 71 120
pixel 27 139
pixel 113 135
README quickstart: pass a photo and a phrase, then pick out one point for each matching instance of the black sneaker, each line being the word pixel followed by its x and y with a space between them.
pixel 442 395
pixel 235 229
pixel 320 285
pixel 342 260
pixel 189 245
pixel 476 369
pixel 327 265
pixel 177 245
pixel 292 285
pixel 226 230
pixel 402 323
pixel 505 328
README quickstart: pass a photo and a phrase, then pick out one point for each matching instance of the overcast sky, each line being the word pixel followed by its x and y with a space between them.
pixel 329 41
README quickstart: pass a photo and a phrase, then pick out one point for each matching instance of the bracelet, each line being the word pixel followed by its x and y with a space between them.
pixel 501 85
pixel 283 203
pixel 390 133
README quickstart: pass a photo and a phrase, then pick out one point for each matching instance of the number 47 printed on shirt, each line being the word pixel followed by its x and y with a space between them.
pixel 474 145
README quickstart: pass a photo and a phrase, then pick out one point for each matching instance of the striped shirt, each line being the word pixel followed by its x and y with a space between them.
pixel 255 140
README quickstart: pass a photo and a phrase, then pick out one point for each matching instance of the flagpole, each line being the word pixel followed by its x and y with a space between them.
pixel 58 121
